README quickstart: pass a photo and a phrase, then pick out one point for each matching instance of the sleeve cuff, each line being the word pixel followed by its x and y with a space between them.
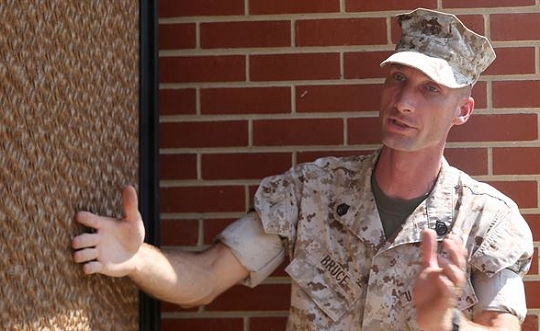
pixel 261 253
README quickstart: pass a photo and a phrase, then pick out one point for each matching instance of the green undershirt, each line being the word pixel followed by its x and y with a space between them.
pixel 393 211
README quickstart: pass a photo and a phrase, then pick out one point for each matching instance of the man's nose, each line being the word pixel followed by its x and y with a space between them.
pixel 406 99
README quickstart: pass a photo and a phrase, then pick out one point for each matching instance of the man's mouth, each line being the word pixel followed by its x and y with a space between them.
pixel 399 124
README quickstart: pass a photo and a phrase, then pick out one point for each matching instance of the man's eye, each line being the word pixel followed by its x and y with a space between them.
pixel 399 77
pixel 432 88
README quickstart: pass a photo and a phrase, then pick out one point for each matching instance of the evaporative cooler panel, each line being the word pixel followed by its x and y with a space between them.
pixel 69 103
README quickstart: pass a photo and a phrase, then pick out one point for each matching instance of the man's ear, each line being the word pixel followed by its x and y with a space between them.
pixel 465 111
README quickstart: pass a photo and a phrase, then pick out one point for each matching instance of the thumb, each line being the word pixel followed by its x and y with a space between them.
pixel 429 248
pixel 131 203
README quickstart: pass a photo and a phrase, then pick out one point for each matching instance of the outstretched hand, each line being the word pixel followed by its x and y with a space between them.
pixel 111 249
pixel 440 282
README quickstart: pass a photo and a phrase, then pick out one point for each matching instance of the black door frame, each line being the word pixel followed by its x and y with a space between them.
pixel 149 145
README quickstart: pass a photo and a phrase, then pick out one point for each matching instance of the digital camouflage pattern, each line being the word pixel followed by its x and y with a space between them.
pixel 442 35
pixel 346 276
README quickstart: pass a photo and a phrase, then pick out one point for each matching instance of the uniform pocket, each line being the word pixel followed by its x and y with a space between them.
pixel 333 289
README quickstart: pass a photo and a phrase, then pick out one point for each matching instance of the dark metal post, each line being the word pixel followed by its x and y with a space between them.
pixel 149 145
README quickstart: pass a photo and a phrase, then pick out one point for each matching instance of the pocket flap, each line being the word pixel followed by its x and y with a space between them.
pixel 333 289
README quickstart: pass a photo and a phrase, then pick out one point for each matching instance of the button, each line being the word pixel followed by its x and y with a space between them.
pixel 441 228
pixel 342 209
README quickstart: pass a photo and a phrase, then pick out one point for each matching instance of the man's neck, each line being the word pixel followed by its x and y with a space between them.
pixel 407 175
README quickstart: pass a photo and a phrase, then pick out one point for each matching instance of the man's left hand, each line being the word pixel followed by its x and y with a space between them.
pixel 440 282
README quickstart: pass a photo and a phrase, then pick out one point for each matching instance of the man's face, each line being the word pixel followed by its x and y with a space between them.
pixel 417 113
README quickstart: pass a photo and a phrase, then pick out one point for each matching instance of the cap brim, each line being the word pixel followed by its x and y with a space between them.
pixel 437 69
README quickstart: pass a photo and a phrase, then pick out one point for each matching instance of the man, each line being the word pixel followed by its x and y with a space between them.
pixel 353 226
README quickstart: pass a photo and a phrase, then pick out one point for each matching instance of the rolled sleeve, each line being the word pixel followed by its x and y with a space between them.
pixel 500 263
pixel 261 253
pixel 503 292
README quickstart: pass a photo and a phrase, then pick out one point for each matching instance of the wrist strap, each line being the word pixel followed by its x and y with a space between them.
pixel 455 320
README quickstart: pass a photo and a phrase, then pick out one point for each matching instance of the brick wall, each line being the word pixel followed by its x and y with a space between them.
pixel 251 87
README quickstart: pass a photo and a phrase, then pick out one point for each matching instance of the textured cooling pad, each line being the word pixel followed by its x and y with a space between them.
pixel 69 98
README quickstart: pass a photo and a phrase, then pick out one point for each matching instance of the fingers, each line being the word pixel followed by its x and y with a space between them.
pixel 448 288
pixel 455 264
pixel 88 219
pixel 429 248
pixel 457 252
pixel 85 240
pixel 131 203
pixel 92 267
pixel 85 255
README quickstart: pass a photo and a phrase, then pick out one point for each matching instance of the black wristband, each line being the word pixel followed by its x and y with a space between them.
pixel 455 320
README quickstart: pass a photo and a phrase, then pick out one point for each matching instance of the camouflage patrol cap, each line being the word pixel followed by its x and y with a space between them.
pixel 439 45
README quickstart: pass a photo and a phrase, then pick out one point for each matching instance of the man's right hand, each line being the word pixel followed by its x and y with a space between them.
pixel 112 248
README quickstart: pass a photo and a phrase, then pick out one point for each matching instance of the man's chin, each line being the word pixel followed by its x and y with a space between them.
pixel 401 145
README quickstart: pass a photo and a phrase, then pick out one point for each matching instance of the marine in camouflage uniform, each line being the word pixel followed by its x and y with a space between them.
pixel 347 276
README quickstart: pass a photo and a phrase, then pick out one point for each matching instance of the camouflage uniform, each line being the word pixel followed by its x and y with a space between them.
pixel 346 275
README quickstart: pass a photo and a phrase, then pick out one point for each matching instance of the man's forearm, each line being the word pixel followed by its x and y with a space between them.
pixel 186 279
pixel 491 321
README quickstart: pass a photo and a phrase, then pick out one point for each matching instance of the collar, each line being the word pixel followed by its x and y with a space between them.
pixel 362 217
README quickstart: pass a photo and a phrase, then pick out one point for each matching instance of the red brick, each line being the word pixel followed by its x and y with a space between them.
pixel 241 298
pixel 515 26
pixel 532 289
pixel 471 160
pixel 513 61
pixel 364 64
pixel 337 98
pixel 530 323
pixel 177 36
pixel 280 271
pixel 179 232
pixel 213 227
pixel 175 8
pixel 524 193
pixel 267 323
pixel 496 128
pixel 177 166
pixel 348 31
pixel 186 69
pixel 177 102
pixel 474 22
pixel 203 134
pixel 534 223
pixel 203 324
pixel 252 190
pixel 259 7
pixel 405 6
pixel 255 100
pixel 279 67
pixel 534 263
pixel 516 161
pixel 364 131
pixel 516 94
pixel 479 93
pixel 310 156
pixel 244 165
pixel 298 132
pixel 480 4
pixel 203 199
pixel 246 34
